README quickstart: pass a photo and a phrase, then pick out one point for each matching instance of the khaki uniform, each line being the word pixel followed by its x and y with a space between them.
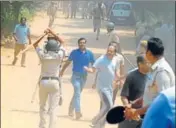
pixel 113 37
pixel 49 85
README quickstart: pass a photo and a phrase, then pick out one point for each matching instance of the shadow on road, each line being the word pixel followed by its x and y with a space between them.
pixel 59 116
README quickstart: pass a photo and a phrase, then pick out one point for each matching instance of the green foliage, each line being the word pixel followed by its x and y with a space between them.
pixel 11 13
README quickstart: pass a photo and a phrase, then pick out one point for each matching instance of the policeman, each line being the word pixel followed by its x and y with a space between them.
pixel 113 37
pixel 51 59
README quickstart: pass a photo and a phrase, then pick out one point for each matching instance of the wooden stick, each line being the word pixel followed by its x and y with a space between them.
pixel 31 45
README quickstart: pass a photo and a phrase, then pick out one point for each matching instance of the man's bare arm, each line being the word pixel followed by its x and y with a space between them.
pixel 38 41
pixel 124 100
pixel 90 70
pixel 57 37
pixel 14 36
pixel 67 63
pixel 142 111
pixel 29 38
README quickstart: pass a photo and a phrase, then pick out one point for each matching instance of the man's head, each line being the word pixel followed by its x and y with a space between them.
pixel 155 49
pixel 52 45
pixel 23 20
pixel 110 26
pixel 111 51
pixel 82 43
pixel 143 64
pixel 115 45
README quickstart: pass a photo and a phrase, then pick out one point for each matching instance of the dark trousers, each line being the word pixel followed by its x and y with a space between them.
pixel 73 13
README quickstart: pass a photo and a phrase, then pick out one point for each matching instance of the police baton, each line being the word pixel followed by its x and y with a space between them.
pixel 128 60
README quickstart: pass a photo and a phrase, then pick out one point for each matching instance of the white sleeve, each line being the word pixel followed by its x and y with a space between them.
pixel 122 62
pixel 39 52
pixel 116 38
pixel 163 80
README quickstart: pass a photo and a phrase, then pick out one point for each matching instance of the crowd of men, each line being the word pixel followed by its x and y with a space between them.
pixel 163 30
pixel 142 87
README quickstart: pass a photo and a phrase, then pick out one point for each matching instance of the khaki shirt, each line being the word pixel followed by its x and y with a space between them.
pixel 113 37
pixel 50 62
pixel 161 78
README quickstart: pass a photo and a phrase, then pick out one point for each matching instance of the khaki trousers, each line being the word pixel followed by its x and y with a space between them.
pixel 18 48
pixel 48 90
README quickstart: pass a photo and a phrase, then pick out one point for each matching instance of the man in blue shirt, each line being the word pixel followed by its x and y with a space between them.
pixel 81 57
pixel 161 113
pixel 21 34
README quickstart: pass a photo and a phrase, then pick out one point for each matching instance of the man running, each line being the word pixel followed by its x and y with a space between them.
pixel 97 19
pixel 107 67
pixel 80 57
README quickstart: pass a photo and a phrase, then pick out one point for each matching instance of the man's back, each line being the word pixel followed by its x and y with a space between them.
pixel 162 112
pixel 97 13
pixel 113 37
pixel 50 62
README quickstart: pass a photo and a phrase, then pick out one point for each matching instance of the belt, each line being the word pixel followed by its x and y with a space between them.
pixel 52 78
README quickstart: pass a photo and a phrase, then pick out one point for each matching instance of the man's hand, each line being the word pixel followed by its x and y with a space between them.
pixel 49 31
pixel 115 84
pixel 46 31
pixel 86 68
pixel 138 102
pixel 131 114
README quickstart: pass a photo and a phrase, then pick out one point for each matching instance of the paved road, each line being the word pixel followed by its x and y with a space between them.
pixel 18 84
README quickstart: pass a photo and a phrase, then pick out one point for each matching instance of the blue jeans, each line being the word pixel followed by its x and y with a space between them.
pixel 78 81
